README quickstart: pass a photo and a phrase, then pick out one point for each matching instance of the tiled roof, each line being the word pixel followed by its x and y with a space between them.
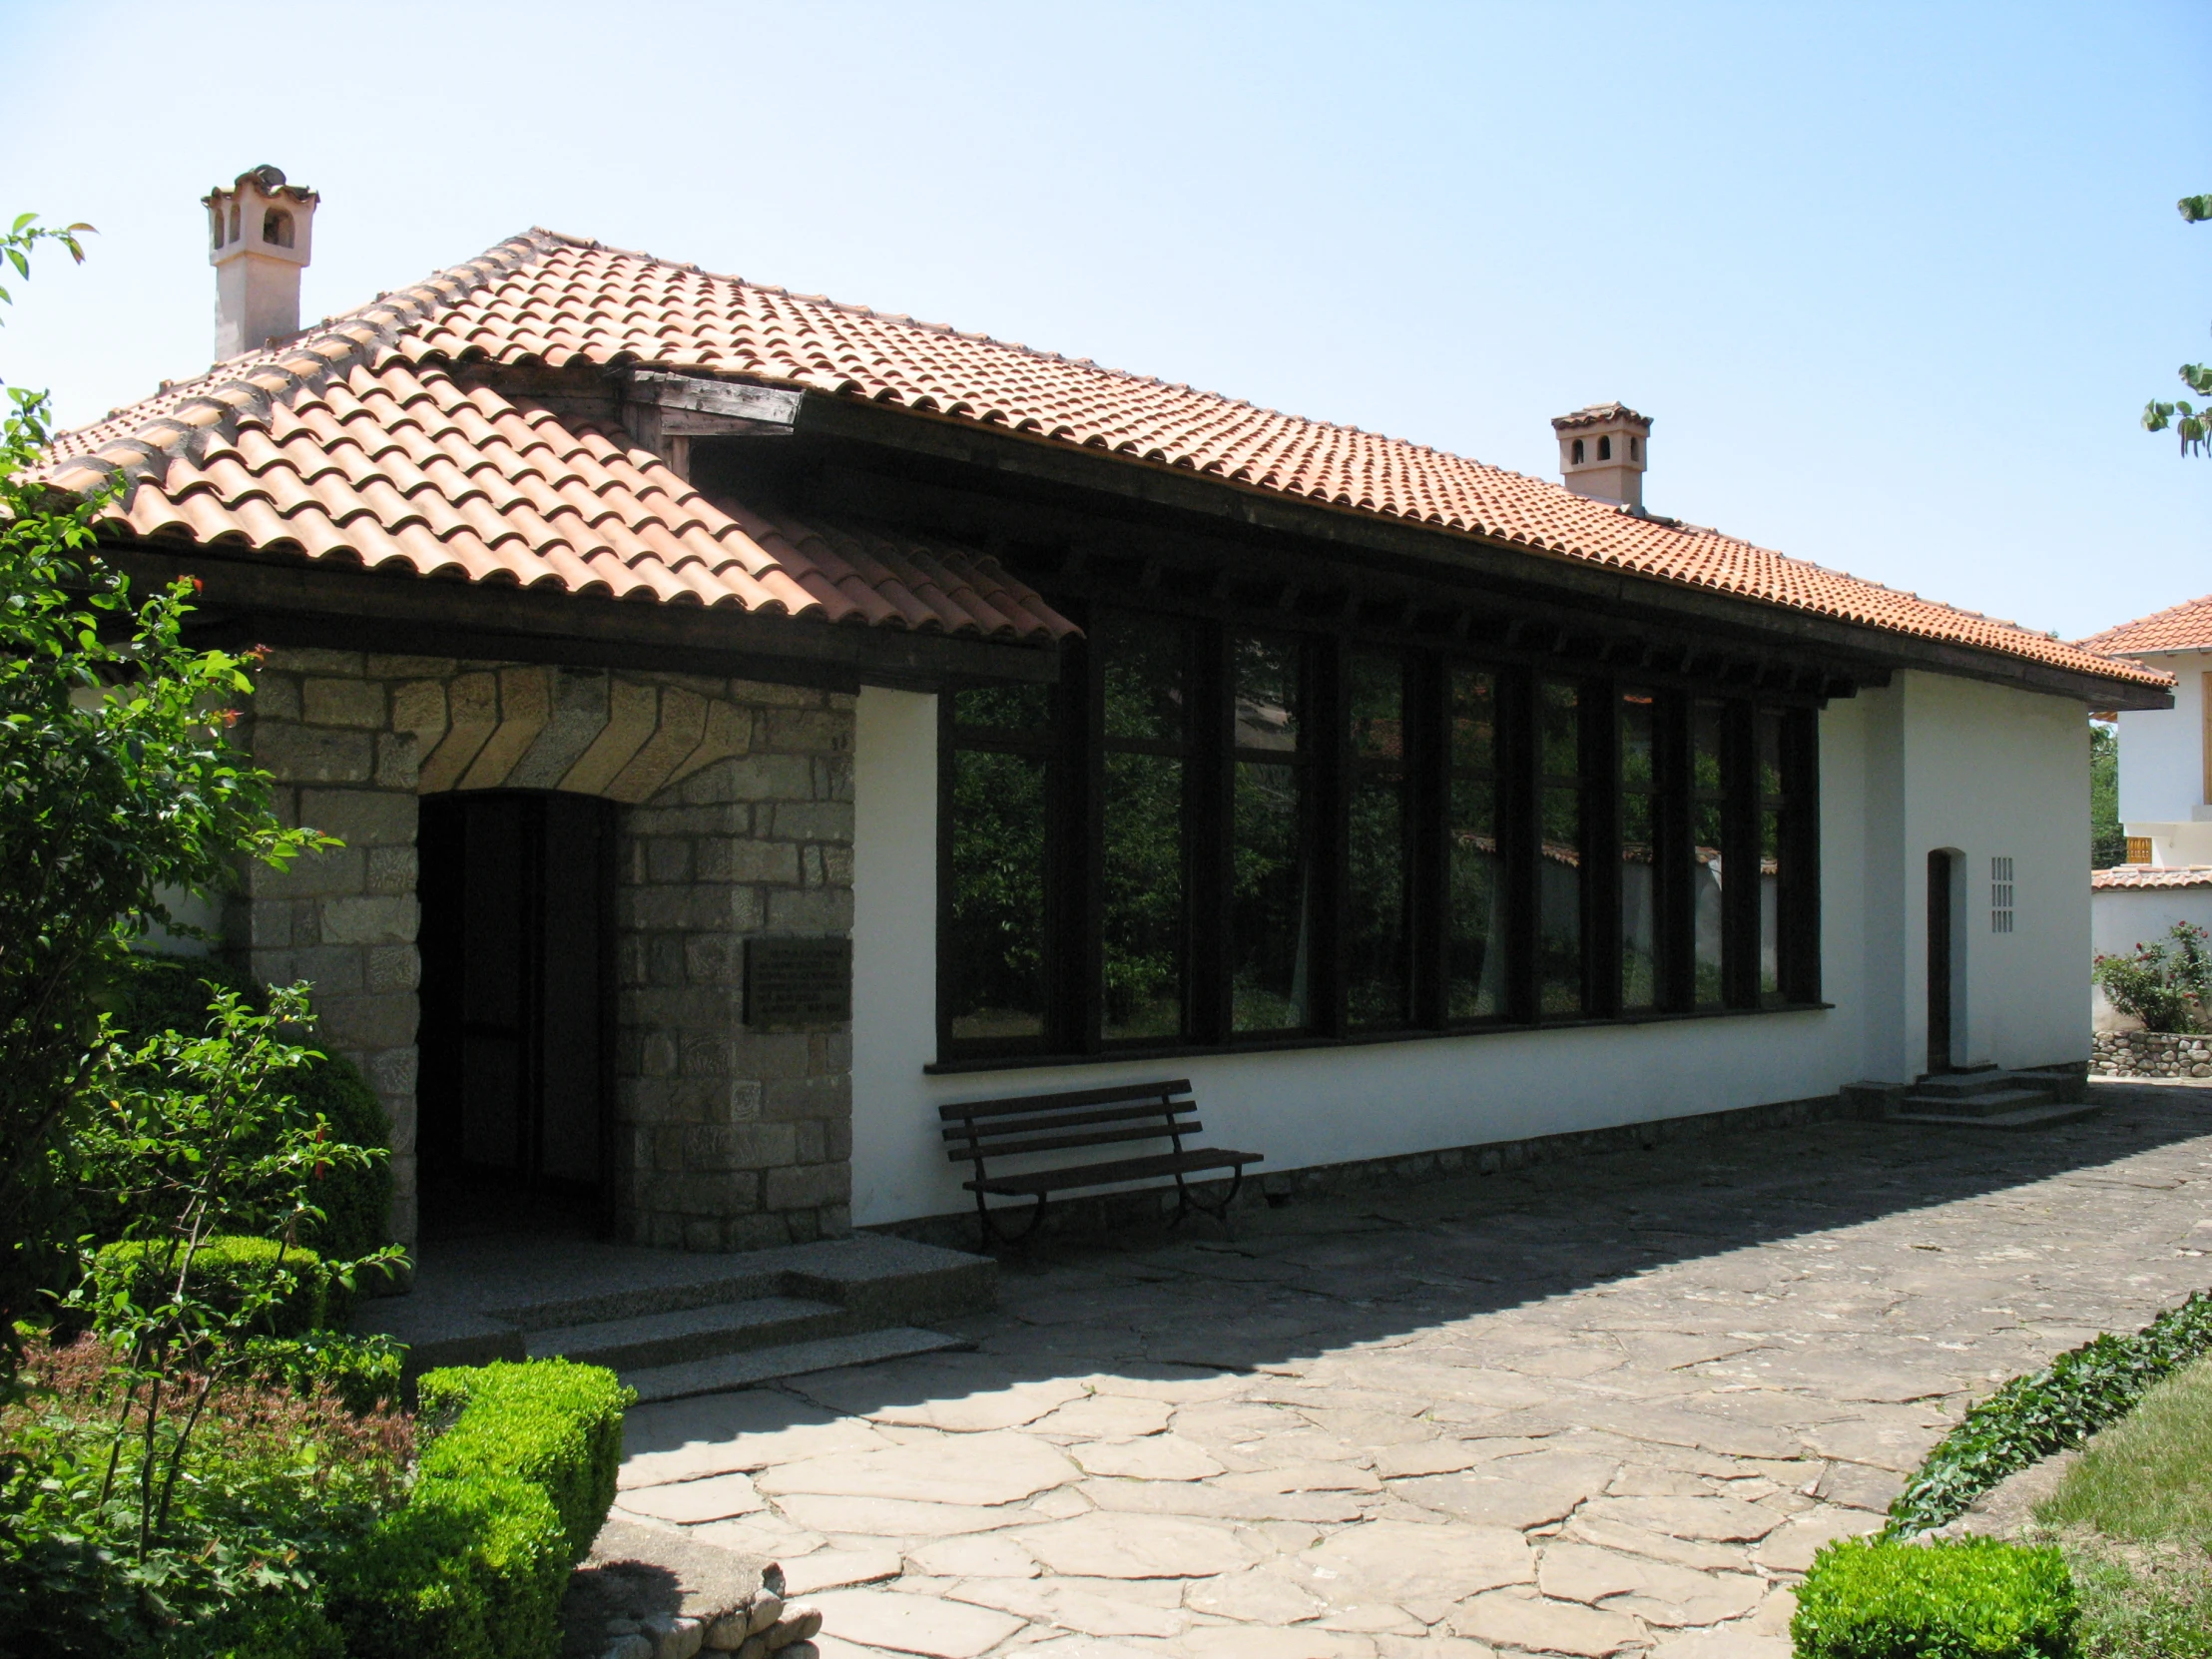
pixel 2186 627
pixel 2145 877
pixel 543 297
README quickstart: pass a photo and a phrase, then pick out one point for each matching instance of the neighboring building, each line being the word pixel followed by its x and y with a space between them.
pixel 650 635
pixel 2165 762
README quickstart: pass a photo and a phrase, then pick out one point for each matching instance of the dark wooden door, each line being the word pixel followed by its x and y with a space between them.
pixel 514 1039
pixel 1938 961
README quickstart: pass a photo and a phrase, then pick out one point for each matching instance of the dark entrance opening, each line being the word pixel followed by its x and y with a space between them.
pixel 1938 961
pixel 516 1039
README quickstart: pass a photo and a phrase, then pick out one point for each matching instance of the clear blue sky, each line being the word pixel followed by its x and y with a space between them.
pixel 1894 282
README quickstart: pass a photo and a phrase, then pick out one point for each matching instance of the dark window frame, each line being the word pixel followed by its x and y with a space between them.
pixel 1075 751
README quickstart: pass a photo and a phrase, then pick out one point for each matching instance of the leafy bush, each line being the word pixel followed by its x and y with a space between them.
pixel 507 1500
pixel 1964 1598
pixel 552 1423
pixel 225 1273
pixel 2048 1410
pixel 169 993
pixel 2167 987
pixel 471 1569
pixel 363 1372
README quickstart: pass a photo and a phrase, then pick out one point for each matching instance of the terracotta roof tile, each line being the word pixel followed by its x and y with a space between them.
pixel 2186 627
pixel 2135 876
pixel 377 383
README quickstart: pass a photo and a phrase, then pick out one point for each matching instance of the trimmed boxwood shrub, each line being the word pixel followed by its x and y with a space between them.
pixel 553 1423
pixel 1964 1598
pixel 224 1270
pixel 169 993
pixel 2047 1410
pixel 507 1499
pixel 471 1569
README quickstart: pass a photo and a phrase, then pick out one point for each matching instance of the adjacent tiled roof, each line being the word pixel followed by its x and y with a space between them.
pixel 2186 627
pixel 543 297
pixel 2135 877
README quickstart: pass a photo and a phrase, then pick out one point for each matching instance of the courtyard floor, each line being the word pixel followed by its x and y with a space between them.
pixel 1595 1406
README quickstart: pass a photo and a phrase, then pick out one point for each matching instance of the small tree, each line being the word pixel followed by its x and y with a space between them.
pixel 2193 426
pixel 116 784
pixel 2166 985
pixel 2107 838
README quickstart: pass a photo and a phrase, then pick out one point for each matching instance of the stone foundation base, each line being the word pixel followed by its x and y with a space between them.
pixel 1104 1216
pixel 2150 1054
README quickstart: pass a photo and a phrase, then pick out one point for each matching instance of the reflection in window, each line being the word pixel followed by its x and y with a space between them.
pixel 1143 957
pixel 1559 859
pixel 1767 746
pixel 1640 969
pixel 997 924
pixel 1377 943
pixel 1708 816
pixel 1474 971
pixel 1270 890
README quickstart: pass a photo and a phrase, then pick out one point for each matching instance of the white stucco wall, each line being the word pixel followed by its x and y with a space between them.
pixel 2120 919
pixel 2162 767
pixel 1927 762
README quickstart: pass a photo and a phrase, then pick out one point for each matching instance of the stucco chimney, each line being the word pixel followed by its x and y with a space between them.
pixel 259 236
pixel 1603 451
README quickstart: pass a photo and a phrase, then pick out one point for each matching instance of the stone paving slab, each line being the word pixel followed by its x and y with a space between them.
pixel 1598 1407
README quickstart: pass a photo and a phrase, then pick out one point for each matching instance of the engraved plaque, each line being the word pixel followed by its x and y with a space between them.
pixel 792 984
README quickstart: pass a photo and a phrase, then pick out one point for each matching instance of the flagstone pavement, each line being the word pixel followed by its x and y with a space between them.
pixel 1598 1406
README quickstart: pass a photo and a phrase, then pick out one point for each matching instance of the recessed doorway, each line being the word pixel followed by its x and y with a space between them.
pixel 516 1036
pixel 1940 992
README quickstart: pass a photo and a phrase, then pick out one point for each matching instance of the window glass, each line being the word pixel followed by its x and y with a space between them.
pixel 1560 851
pixel 1706 817
pixel 1768 732
pixel 1143 965
pixel 1270 886
pixel 1639 866
pixel 995 935
pixel 1474 967
pixel 1004 708
pixel 1377 967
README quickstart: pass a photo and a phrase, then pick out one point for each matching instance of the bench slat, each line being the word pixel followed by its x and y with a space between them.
pixel 1071 1143
pixel 991 1129
pixel 1073 1098
pixel 1125 1169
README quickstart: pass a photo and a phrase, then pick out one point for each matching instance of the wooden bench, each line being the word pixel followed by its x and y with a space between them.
pixel 981 1131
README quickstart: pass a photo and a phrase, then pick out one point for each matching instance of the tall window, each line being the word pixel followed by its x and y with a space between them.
pixel 1143 877
pixel 1474 921
pixel 1642 970
pixel 1378 964
pixel 1708 834
pixel 996 979
pixel 1559 862
pixel 1270 902
pixel 1212 834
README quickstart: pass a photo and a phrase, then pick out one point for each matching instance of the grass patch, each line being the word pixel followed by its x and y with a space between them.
pixel 2148 1477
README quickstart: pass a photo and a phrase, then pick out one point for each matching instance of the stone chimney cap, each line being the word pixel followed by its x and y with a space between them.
pixel 1600 414
pixel 268 181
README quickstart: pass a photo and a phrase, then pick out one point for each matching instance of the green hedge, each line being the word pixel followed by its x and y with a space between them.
pixel 2047 1410
pixel 224 1270
pixel 1964 1598
pixel 169 993
pixel 550 1421
pixel 507 1499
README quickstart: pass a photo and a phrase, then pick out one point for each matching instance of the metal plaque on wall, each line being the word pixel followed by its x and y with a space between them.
pixel 792 984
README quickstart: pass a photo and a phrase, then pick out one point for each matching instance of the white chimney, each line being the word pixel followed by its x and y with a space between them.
pixel 1603 451
pixel 260 236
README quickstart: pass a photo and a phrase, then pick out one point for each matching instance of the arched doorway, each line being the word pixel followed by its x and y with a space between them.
pixel 1944 870
pixel 517 998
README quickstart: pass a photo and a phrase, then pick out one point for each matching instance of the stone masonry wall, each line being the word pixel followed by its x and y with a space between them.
pixel 2150 1054
pixel 737 819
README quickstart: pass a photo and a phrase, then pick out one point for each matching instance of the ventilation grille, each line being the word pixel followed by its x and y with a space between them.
pixel 2000 896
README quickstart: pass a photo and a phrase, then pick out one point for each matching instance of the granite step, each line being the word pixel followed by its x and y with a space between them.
pixel 655 1339
pixel 1991 1103
pixel 1954 1084
pixel 764 1365
pixel 2031 1117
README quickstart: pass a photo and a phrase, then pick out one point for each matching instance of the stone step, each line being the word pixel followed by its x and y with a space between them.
pixel 1955 1084
pixel 764 1365
pixel 1992 1104
pixel 2032 1117
pixel 654 1340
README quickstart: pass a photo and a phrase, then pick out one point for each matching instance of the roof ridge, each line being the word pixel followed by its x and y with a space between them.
pixel 208 409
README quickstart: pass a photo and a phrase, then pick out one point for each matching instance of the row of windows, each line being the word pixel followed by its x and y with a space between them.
pixel 1209 834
